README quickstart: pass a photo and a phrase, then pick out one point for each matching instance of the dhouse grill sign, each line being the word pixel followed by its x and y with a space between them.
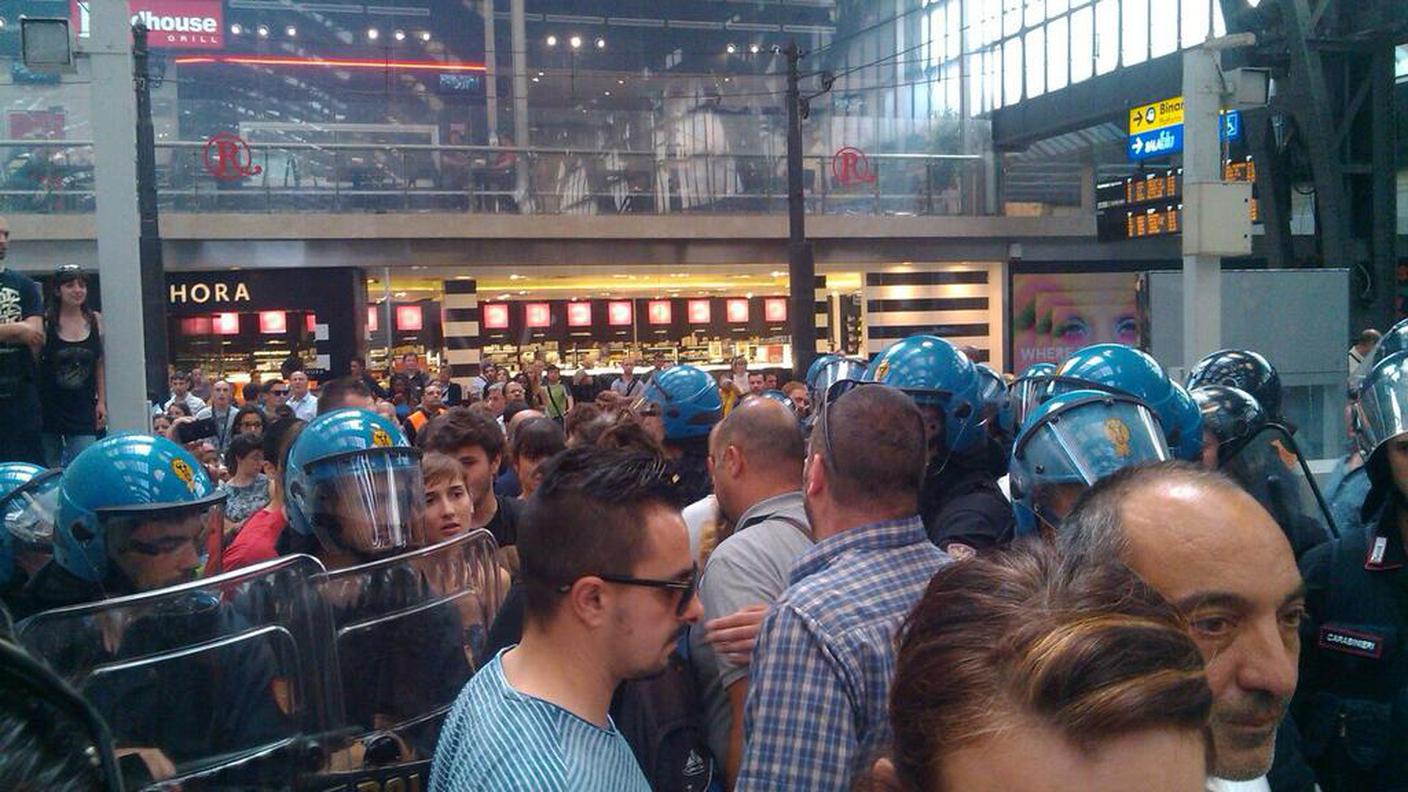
pixel 173 24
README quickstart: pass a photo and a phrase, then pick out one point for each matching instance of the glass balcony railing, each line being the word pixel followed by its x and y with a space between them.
pixel 57 177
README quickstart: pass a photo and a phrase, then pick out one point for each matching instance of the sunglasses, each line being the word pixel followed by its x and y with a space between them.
pixel 686 587
pixel 279 391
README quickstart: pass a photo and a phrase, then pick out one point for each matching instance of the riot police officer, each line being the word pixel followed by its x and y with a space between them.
pixel 1352 700
pixel 1071 441
pixel 1263 457
pixel 29 497
pixel 134 514
pixel 681 404
pixel 960 501
pixel 1028 391
pixel 997 417
pixel 1122 369
pixel 355 495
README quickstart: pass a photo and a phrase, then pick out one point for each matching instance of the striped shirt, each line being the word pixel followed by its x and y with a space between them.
pixel 818 700
pixel 497 739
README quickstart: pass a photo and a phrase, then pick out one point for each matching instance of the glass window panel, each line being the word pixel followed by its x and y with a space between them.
pixel 1079 3
pixel 1011 17
pixel 988 25
pixel 933 51
pixel 1163 37
pixel 1135 32
pixel 1036 62
pixel 953 85
pixel 1036 12
pixel 1107 36
pixel 1055 8
pixel 1057 56
pixel 1082 44
pixel 954 30
pixel 1219 25
pixel 1197 17
pixel 992 76
pixel 1012 71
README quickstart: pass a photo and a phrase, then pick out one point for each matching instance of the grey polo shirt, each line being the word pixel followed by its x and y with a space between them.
pixel 750 567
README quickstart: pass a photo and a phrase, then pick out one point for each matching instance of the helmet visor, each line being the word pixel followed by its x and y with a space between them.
pixel 1383 407
pixel 1026 395
pixel 1270 467
pixel 1089 441
pixel 164 547
pixel 29 513
pixel 369 503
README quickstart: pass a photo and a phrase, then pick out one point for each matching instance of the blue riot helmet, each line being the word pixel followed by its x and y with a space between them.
pixel 354 481
pixel 835 370
pixel 1231 416
pixel 777 396
pixel 687 400
pixel 1029 390
pixel 815 369
pixel 1072 441
pixel 942 381
pixel 138 506
pixel 1183 428
pixel 1124 369
pixel 1245 369
pixel 29 502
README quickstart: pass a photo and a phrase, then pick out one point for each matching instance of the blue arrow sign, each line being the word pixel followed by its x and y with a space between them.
pixel 1157 143
pixel 1231 128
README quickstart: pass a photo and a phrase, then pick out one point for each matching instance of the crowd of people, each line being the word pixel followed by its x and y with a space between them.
pixel 907 573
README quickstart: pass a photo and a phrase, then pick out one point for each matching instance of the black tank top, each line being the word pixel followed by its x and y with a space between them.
pixel 69 382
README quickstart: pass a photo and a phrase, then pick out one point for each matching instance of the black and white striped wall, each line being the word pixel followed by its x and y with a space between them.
pixel 960 302
pixel 461 324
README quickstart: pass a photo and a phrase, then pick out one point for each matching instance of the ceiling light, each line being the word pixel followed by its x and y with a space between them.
pixel 620 82
pixel 373 34
pixel 400 35
pixel 291 31
pixel 540 74
pixel 235 29
pixel 425 35
pixel 601 43
pixel 263 31
pixel 576 42
pixel 552 41
pixel 730 49
pixel 605 93
pixel 754 48
pixel 535 79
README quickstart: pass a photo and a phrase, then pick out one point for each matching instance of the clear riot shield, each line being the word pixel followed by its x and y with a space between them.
pixel 411 630
pixel 219 683
pixel 1271 468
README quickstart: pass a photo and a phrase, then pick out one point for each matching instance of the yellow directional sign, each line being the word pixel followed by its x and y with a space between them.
pixel 1158 115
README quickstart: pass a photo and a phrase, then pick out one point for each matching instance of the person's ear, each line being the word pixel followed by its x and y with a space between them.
pixel 815 475
pixel 587 599
pixel 883 777
pixel 733 460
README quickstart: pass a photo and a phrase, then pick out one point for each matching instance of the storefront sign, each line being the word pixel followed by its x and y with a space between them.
pixel 495 316
pixel 579 314
pixel 850 166
pixel 736 311
pixel 775 309
pixel 228 158
pixel 537 315
pixel 203 293
pixel 620 314
pixel 700 312
pixel 172 24
pixel 659 312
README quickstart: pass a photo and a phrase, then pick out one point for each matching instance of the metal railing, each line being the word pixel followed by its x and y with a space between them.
pixel 56 177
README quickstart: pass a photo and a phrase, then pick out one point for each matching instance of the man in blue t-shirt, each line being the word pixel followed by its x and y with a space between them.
pixel 21 337
pixel 608 582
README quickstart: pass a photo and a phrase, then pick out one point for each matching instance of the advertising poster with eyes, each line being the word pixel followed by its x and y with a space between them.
pixel 1054 314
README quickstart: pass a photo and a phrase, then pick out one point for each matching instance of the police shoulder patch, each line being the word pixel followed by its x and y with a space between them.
pixel 1355 642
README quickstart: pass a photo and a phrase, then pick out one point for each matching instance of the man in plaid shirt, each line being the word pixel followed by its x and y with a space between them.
pixel 817 713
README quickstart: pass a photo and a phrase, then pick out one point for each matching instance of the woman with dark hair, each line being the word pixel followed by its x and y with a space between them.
pixel 249 420
pixel 247 487
pixel 72 386
pixel 1023 671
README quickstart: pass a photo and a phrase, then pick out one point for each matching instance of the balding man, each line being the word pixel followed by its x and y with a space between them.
pixel 818 704
pixel 755 461
pixel 1210 549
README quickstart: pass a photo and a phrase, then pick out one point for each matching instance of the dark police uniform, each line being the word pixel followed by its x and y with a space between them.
pixel 962 504
pixel 1352 701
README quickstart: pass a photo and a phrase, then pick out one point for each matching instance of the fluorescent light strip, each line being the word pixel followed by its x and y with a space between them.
pixel 331 63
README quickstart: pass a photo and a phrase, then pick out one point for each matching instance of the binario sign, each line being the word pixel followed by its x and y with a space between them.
pixel 174 24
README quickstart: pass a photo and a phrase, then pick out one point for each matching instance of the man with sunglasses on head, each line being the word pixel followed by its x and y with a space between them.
pixel 609 583
pixel 818 700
